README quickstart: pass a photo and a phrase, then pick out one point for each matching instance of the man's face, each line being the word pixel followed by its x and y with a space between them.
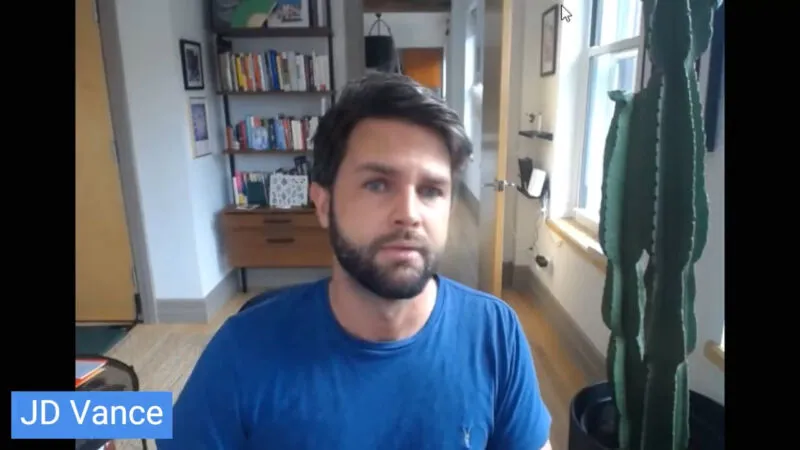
pixel 389 211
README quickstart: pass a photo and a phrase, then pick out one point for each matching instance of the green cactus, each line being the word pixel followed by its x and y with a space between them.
pixel 655 208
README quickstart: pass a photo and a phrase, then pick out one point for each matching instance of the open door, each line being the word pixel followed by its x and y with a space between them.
pixel 496 74
pixel 104 290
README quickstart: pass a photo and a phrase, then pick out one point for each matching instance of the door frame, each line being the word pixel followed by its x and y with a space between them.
pixel 121 130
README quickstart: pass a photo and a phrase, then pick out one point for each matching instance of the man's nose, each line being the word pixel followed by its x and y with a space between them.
pixel 406 211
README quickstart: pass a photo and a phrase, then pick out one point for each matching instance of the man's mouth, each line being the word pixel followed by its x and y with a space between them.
pixel 409 247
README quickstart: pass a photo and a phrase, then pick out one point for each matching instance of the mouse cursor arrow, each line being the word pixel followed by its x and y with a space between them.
pixel 565 14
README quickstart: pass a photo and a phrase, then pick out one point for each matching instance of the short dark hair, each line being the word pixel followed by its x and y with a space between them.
pixel 387 96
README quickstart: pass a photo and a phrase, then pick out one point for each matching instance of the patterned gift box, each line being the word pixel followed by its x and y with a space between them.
pixel 288 191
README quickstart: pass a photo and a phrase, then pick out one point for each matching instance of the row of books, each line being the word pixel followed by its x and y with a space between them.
pixel 272 133
pixel 273 71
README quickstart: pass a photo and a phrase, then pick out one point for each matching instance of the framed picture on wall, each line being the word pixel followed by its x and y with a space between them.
pixel 201 144
pixel 192 65
pixel 549 48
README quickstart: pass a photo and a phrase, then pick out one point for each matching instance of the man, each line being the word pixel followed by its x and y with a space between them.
pixel 384 354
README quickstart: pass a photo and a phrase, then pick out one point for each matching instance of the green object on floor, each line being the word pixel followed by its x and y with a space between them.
pixel 97 340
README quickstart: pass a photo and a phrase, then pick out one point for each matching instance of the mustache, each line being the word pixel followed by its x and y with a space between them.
pixel 408 236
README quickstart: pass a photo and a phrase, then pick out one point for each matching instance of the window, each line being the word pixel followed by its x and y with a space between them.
pixel 613 64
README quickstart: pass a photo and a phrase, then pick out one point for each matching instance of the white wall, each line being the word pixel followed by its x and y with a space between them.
pixel 208 180
pixel 159 120
pixel 576 283
pixel 411 30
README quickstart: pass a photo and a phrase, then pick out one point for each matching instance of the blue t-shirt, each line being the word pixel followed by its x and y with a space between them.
pixel 285 375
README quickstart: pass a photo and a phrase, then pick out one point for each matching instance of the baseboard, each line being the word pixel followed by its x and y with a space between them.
pixel 580 349
pixel 221 294
pixel 198 310
pixel 473 205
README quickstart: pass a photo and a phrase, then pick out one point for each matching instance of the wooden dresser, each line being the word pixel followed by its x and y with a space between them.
pixel 270 238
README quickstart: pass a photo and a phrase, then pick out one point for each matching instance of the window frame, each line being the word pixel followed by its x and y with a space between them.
pixel 580 215
pixel 473 81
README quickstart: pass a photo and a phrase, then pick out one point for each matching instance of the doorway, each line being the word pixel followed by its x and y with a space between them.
pixel 424 65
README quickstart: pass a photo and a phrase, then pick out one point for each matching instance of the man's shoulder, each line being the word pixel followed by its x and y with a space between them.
pixel 481 305
pixel 277 309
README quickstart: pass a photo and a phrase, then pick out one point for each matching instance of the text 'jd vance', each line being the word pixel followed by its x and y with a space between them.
pixel 103 415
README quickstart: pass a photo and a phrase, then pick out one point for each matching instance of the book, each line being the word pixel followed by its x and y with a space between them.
pixel 86 369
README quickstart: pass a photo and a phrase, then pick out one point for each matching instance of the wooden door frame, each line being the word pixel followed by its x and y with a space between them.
pixel 121 130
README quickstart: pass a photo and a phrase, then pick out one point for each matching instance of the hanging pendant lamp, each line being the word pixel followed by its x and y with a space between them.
pixel 379 50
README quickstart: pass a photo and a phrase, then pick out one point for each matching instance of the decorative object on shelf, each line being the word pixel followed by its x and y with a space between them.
pixel 288 191
pixel 654 218
pixel 192 65
pixel 289 14
pixel 240 13
pixel 549 50
pixel 253 14
pixel 198 108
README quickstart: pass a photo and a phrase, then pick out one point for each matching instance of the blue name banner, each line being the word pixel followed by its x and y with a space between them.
pixel 91 415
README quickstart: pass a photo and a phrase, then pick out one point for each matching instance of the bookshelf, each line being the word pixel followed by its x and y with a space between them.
pixel 275 84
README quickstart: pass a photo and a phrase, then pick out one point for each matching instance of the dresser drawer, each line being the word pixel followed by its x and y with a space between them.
pixel 292 248
pixel 277 221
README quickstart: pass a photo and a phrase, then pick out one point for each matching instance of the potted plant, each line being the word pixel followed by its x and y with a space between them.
pixel 653 228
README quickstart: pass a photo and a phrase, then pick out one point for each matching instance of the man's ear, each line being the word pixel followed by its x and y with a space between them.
pixel 322 201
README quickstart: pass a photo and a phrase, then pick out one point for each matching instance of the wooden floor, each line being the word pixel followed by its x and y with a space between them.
pixel 164 354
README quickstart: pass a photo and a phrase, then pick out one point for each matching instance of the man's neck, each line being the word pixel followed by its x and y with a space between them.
pixel 371 318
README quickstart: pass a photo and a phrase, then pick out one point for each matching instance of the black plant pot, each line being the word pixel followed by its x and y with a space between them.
pixel 593 426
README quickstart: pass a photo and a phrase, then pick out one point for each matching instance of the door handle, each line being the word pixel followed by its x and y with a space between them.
pixel 500 185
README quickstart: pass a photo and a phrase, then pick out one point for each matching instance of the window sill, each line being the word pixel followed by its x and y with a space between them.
pixel 583 240
pixel 715 354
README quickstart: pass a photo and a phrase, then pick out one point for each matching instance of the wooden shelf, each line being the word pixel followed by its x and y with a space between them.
pixel 250 151
pixel 274 32
pixel 274 92
pixel 533 134
pixel 267 210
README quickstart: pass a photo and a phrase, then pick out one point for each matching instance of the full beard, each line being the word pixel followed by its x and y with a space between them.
pixel 393 281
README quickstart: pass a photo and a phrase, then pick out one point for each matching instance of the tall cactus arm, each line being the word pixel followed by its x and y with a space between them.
pixel 677 33
pixel 625 232
pixel 623 350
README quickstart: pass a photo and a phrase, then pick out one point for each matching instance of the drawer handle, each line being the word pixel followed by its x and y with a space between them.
pixel 280 240
pixel 277 220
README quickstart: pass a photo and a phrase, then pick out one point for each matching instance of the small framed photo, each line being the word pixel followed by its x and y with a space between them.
pixel 289 14
pixel 192 65
pixel 549 50
pixel 201 144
